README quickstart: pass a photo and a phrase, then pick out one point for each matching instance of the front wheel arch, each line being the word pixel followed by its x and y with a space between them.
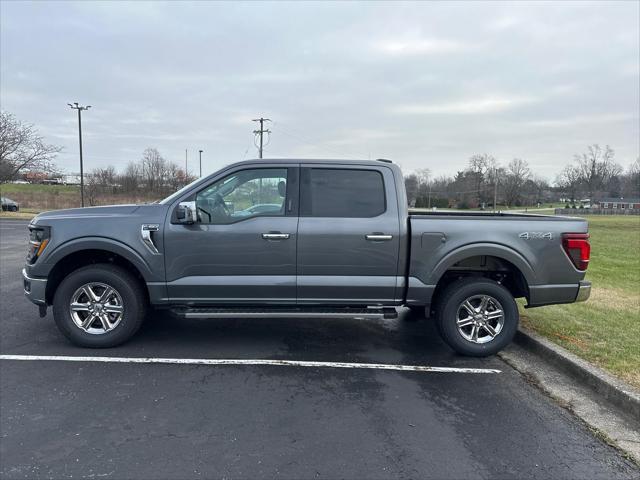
pixel 82 258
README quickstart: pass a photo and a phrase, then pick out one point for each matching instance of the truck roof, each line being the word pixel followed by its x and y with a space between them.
pixel 317 160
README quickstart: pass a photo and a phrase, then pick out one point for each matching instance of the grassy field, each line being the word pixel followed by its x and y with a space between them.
pixel 42 197
pixel 55 197
pixel 23 214
pixel 605 330
pixel 35 189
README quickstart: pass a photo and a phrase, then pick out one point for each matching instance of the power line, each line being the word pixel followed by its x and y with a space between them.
pixel 261 133
pixel 299 137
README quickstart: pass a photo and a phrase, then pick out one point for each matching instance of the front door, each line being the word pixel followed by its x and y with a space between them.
pixel 242 249
pixel 348 236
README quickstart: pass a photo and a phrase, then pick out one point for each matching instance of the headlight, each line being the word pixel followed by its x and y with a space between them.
pixel 38 241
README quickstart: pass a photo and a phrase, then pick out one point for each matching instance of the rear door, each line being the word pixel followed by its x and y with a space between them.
pixel 348 235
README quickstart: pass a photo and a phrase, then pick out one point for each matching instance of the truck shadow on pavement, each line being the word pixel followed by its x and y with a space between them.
pixel 408 339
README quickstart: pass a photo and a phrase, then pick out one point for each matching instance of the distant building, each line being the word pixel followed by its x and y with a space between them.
pixel 620 203
pixel 34 177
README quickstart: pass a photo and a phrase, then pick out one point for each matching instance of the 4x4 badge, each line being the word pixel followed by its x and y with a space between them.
pixel 533 235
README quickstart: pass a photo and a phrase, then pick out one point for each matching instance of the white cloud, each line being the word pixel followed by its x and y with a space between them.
pixel 476 106
pixel 422 47
pixel 590 119
pixel 505 22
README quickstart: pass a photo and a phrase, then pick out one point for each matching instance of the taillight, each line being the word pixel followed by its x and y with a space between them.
pixel 577 247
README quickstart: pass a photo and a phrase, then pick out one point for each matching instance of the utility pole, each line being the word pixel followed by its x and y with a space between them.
pixel 80 108
pixel 185 163
pixel 200 152
pixel 261 132
pixel 429 195
pixel 495 190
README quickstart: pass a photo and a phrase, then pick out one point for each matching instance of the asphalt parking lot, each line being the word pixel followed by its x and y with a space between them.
pixel 127 420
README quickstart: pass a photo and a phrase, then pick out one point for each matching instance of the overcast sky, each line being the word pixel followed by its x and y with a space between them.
pixel 424 84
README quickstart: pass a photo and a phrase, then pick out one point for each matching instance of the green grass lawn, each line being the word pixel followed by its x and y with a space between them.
pixel 23 214
pixel 604 330
pixel 16 188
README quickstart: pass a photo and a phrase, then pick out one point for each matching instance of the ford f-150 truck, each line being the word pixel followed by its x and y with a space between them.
pixel 301 238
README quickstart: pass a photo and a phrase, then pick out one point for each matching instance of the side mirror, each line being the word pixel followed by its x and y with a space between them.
pixel 186 213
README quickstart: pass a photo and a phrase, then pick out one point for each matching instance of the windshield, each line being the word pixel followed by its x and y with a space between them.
pixel 176 194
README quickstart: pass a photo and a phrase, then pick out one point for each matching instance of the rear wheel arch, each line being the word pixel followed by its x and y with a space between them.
pixel 515 277
pixel 489 250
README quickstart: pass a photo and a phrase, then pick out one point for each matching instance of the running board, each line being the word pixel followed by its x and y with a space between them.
pixel 299 312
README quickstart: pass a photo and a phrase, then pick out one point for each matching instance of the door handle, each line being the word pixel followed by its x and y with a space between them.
pixel 378 237
pixel 275 236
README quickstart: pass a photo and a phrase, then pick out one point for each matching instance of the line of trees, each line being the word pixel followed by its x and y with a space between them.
pixel 594 174
pixel 476 185
pixel 153 176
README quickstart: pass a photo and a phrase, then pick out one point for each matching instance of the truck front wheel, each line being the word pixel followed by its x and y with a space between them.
pixel 477 316
pixel 99 306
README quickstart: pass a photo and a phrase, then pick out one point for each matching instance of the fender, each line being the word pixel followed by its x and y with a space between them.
pixel 97 243
pixel 479 249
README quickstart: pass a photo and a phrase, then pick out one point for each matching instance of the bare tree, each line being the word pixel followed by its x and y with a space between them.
pixel 570 181
pixel 22 148
pixel 423 175
pixel 516 175
pixel 105 177
pixel 411 185
pixel 596 167
pixel 631 181
pixel 130 179
pixel 153 169
pixel 176 176
pixel 480 166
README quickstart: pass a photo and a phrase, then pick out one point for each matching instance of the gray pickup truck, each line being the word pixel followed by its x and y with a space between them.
pixel 301 238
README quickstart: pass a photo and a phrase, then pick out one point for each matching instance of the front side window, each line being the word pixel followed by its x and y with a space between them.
pixel 333 192
pixel 242 195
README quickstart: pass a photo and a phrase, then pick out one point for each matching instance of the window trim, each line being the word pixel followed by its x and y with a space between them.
pixel 305 191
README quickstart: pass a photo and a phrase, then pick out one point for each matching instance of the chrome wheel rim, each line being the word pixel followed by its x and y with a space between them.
pixel 96 308
pixel 480 318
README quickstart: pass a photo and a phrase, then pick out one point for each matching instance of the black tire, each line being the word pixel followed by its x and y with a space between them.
pixel 451 301
pixel 127 286
pixel 13 208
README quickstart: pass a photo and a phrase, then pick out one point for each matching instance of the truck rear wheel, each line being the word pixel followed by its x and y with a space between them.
pixel 477 317
pixel 99 306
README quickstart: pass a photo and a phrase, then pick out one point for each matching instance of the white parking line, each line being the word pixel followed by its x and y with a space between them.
pixel 221 361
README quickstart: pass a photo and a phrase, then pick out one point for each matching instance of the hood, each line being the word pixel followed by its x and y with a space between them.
pixel 109 211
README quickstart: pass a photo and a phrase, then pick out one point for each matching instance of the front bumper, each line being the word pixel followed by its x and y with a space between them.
pixel 34 288
pixel 584 291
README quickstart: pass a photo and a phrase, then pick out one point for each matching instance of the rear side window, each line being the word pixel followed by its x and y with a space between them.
pixel 333 192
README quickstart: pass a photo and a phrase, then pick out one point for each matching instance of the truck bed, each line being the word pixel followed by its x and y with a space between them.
pixel 529 242
pixel 494 215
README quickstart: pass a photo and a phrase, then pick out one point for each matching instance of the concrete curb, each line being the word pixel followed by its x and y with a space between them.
pixel 612 390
